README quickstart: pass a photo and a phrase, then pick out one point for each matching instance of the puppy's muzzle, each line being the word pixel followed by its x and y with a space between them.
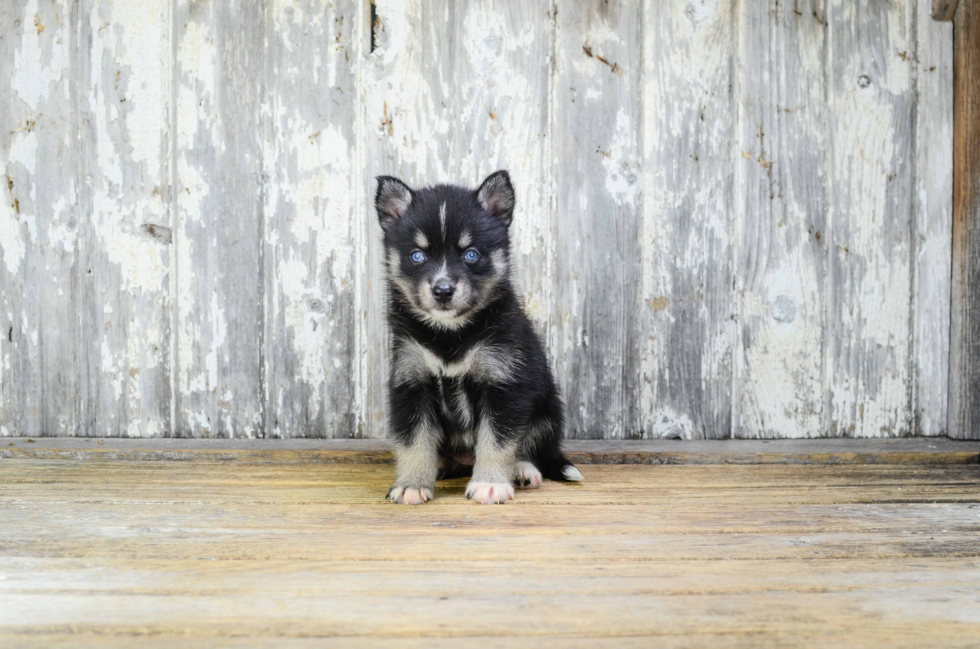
pixel 443 292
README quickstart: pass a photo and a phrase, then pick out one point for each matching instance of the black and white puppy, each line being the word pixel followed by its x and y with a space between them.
pixel 470 383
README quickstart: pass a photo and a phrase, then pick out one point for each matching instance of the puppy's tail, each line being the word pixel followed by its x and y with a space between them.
pixel 555 466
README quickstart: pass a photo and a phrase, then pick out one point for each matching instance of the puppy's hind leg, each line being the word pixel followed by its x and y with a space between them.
pixel 541 448
pixel 527 475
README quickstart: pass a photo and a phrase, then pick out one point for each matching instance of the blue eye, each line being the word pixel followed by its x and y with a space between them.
pixel 471 255
pixel 418 256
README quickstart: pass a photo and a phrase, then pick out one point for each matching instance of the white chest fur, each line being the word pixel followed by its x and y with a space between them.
pixel 483 363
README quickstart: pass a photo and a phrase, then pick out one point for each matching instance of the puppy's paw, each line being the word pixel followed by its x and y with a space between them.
pixel 527 475
pixel 410 495
pixel 489 493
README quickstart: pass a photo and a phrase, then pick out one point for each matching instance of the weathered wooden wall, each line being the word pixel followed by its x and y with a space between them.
pixel 964 378
pixel 734 215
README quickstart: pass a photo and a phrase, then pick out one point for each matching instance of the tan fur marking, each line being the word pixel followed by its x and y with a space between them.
pixel 413 362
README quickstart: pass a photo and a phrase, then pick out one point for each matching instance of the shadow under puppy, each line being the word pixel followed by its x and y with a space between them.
pixel 470 384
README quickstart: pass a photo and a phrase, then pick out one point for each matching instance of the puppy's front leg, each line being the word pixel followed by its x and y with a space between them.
pixel 494 465
pixel 417 435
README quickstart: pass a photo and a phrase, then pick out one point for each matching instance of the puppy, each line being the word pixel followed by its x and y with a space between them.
pixel 470 383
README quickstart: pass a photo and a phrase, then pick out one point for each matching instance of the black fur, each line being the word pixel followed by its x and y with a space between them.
pixel 510 382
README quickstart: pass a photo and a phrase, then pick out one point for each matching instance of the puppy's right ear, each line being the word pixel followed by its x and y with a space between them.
pixel 392 200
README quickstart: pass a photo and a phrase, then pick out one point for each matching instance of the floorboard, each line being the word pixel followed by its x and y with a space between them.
pixel 221 554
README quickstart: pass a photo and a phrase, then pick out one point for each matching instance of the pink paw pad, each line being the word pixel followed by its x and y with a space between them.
pixel 489 493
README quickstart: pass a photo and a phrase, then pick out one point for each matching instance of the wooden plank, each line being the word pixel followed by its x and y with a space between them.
pixel 310 155
pixel 932 225
pixel 502 63
pixel 406 70
pixel 869 229
pixel 218 269
pixel 827 451
pixel 952 636
pixel 124 104
pixel 677 556
pixel 39 220
pixel 481 70
pixel 598 185
pixel 943 9
pixel 802 498
pixel 686 259
pixel 964 371
pixel 781 206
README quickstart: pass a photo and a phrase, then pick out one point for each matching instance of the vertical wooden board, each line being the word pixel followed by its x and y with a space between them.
pixel 687 299
pixel 781 208
pixel 871 104
pixel 502 56
pixel 932 225
pixel 39 221
pixel 964 370
pixel 124 84
pixel 597 120
pixel 310 154
pixel 218 266
pixel 406 131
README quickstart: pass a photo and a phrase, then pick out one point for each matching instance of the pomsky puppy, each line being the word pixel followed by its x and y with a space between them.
pixel 470 384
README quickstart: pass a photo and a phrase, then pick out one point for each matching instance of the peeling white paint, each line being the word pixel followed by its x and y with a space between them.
pixel 622 172
pixel 741 313
pixel 778 379
pixel 869 352
pixel 687 231
pixel 40 64
pixel 933 222
pixel 11 244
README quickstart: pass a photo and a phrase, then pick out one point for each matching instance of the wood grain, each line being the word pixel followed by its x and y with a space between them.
pixel 932 223
pixel 310 155
pixel 781 213
pixel 40 221
pixel 964 373
pixel 869 229
pixel 219 221
pixel 686 303
pixel 125 235
pixel 680 556
pixel 911 451
pixel 598 183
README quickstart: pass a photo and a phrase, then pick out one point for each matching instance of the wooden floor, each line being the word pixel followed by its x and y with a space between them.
pixel 202 554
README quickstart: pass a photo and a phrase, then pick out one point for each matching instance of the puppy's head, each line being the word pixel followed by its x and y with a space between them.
pixel 447 247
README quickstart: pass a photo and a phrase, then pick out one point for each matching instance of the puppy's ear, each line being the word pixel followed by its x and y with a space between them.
pixel 392 200
pixel 496 196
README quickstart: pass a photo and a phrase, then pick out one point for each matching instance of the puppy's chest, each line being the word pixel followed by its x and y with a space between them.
pixel 456 401
pixel 482 363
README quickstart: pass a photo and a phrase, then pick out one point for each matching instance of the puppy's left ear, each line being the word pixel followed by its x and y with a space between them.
pixel 496 196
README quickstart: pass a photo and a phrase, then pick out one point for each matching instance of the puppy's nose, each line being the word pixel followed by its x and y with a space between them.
pixel 443 292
